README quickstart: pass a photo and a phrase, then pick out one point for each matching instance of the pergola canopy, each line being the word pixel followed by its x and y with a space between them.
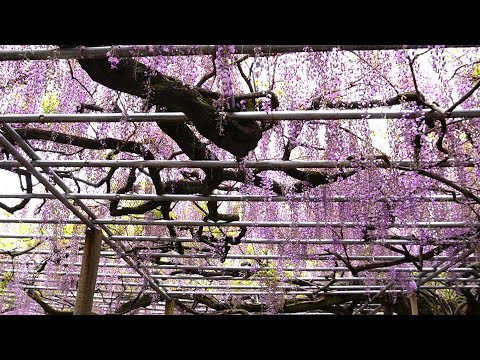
pixel 136 266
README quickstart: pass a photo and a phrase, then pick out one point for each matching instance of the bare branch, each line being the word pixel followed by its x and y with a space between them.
pixel 35 295
pixel 13 253
pixel 464 97
pixel 29 190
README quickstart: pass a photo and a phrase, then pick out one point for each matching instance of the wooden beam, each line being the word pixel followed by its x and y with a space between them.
pixel 169 308
pixel 88 272
pixel 414 304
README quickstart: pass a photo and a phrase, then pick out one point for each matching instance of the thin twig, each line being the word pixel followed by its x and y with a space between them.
pixel 464 97
pixel 74 78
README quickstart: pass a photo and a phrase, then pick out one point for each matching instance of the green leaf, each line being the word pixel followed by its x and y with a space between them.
pixel 476 71
pixel 49 103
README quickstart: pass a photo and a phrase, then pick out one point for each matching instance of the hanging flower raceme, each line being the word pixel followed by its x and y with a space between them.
pixel 223 64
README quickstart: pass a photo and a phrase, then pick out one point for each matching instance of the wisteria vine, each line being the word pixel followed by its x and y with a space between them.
pixel 363 242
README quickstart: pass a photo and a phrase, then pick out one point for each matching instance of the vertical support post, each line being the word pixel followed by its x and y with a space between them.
pixel 387 309
pixel 169 307
pixel 414 304
pixel 88 272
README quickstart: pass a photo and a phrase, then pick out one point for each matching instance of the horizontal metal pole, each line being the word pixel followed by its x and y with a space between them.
pixel 384 289
pixel 432 225
pixel 303 257
pixel 318 279
pixel 198 279
pixel 247 240
pixel 118 247
pixel 288 288
pixel 103 301
pixel 306 269
pixel 284 115
pixel 234 290
pixel 446 266
pixel 31 236
pixel 5 143
pixel 274 224
pixel 183 50
pixel 232 256
pixel 312 287
pixel 286 269
pixel 361 242
pixel 100 298
pixel 278 257
pixel 186 292
pixel 249 198
pixel 216 164
pixel 244 293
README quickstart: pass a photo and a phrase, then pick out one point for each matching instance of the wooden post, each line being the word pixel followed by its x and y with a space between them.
pixel 387 309
pixel 414 304
pixel 88 272
pixel 169 307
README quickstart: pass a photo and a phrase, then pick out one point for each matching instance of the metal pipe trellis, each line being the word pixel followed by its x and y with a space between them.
pixel 312 257
pixel 25 163
pixel 373 242
pixel 288 289
pixel 183 50
pixel 286 269
pixel 445 267
pixel 199 279
pixel 300 115
pixel 383 290
pixel 216 164
pixel 239 293
pixel 314 115
pixel 249 198
pixel 276 224
pixel 235 278
pixel 83 219
pixel 247 240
